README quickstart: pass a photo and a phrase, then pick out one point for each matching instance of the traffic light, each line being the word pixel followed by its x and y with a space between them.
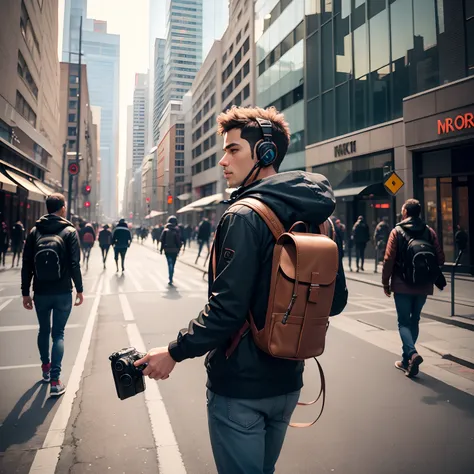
pixel 170 199
pixel 148 200
pixel 86 189
pixel 87 204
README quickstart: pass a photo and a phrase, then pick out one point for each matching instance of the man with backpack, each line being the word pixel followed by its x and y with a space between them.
pixel 171 242
pixel 254 377
pixel 51 258
pixel 87 239
pixel 411 266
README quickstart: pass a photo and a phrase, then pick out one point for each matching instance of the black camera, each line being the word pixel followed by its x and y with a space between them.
pixel 128 379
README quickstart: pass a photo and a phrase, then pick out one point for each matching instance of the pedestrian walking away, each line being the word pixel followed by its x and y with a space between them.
pixel 87 239
pixel 17 242
pixel 361 235
pixel 411 266
pixel 121 240
pixel 381 233
pixel 105 241
pixel 171 242
pixel 4 242
pixel 203 236
pixel 251 395
pixel 51 258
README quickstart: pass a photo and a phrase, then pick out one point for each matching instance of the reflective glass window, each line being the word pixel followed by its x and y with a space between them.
pixel 327 57
pixel 469 9
pixel 380 84
pixel 379 41
pixel 401 18
pixel 342 109
pixel 343 49
pixel 312 65
pixel 299 32
pixel 327 7
pixel 313 126
pixel 328 115
pixel 361 56
pixel 358 15
pixel 375 7
pixel 345 8
pixel 425 51
pixel 361 98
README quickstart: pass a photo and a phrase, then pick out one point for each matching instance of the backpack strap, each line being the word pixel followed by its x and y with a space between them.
pixel 268 216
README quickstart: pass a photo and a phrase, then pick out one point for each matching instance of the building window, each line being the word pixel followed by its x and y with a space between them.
pixel 73 91
pixel 246 91
pixel 25 74
pixel 239 37
pixel 246 45
pixel 71 131
pixel 213 160
pixel 24 109
pixel 72 117
pixel 73 104
pixel 470 45
pixel 72 144
pixel 28 33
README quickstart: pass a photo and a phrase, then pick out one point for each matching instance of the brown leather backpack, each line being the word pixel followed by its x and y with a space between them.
pixel 302 286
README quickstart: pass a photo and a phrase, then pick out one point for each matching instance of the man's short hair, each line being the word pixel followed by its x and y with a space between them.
pixel 413 208
pixel 245 119
pixel 55 202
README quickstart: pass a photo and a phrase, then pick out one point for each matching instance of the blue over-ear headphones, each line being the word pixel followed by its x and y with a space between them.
pixel 266 150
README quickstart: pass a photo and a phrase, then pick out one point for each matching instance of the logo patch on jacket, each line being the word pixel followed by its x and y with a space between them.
pixel 228 255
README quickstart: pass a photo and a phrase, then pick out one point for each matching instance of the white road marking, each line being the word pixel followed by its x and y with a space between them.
pixel 94 284
pixel 15 367
pixel 134 280
pixel 46 458
pixel 167 449
pixel 158 280
pixel 5 304
pixel 107 290
pixel 31 327
pixel 126 309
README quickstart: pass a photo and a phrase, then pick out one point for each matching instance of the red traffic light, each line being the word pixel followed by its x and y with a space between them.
pixel 88 188
pixel 73 168
pixel 148 200
pixel 170 199
pixel 130 215
pixel 87 204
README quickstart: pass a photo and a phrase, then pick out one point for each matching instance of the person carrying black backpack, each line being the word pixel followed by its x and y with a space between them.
pixel 171 242
pixel 51 258
pixel 411 266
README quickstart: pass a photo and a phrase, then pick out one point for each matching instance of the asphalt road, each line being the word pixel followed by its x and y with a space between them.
pixel 376 420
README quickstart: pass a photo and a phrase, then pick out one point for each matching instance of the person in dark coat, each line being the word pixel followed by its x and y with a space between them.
pixel 203 236
pixel 17 242
pixel 361 235
pixel 4 241
pixel 105 241
pixel 171 243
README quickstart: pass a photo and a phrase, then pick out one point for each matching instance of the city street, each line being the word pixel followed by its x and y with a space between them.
pixel 376 420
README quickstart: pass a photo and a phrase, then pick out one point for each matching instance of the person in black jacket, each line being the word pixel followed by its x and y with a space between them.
pixel 204 234
pixel 251 395
pixel 171 242
pixel 105 241
pixel 51 258
pixel 121 240
pixel 360 235
pixel 18 240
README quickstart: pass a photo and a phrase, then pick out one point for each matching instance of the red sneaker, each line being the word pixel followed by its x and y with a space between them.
pixel 46 368
pixel 57 388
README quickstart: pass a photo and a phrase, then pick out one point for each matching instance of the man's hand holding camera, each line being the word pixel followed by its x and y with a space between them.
pixel 159 363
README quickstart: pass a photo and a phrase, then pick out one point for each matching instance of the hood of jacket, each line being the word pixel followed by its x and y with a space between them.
pixel 413 226
pixel 52 224
pixel 171 226
pixel 294 196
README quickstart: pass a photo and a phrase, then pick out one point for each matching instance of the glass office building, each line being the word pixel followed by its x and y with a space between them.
pixel 385 82
pixel 279 36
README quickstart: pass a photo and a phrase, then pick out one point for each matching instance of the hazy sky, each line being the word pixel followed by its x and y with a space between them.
pixel 129 19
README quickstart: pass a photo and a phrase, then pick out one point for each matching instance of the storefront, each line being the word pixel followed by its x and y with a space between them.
pixel 439 131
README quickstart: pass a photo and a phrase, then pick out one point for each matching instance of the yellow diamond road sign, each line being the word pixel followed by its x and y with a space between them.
pixel 394 183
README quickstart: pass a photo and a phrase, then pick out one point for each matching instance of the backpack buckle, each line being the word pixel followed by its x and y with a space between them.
pixel 313 292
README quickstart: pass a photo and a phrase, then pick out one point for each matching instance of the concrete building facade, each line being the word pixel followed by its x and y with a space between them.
pixel 158 92
pixel 30 148
pixel 139 131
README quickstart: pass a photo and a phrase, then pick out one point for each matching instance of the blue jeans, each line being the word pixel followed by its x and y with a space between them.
pixel 247 435
pixel 171 259
pixel 408 310
pixel 60 305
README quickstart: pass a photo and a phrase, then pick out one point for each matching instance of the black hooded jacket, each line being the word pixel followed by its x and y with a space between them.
pixel 244 247
pixel 52 224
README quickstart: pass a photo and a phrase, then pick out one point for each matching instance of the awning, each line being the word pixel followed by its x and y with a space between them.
pixel 45 189
pixel 202 203
pixel 33 191
pixel 6 184
pixel 185 196
pixel 154 214
pixel 344 192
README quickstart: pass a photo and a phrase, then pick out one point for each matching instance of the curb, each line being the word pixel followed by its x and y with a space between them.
pixel 470 304
pixel 449 356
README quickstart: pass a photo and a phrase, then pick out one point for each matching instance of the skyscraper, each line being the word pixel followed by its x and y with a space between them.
pixel 101 53
pixel 183 54
pixel 215 21
pixel 158 87
pixel 140 99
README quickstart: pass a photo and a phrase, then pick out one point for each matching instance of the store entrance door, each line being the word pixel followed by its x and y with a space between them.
pixel 462 223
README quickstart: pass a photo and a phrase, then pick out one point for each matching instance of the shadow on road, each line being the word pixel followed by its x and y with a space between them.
pixel 445 394
pixel 20 426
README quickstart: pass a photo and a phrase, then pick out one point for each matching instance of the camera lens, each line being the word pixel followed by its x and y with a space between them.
pixel 118 366
pixel 126 380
